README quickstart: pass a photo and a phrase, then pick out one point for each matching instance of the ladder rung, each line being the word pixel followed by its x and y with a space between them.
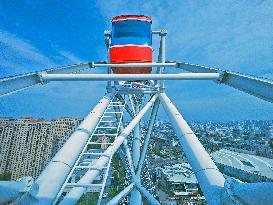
pixel 106 116
pixel 113 112
pixel 83 185
pixel 107 121
pixel 115 105
pixel 102 134
pixel 96 153
pixel 107 127
pixel 99 143
pixel 89 167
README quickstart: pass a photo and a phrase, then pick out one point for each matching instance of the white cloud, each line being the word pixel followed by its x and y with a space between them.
pixel 21 56
pixel 51 100
pixel 70 56
pixel 17 55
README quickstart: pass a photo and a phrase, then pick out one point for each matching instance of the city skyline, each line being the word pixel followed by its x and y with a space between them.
pixel 216 34
pixel 249 143
pixel 33 142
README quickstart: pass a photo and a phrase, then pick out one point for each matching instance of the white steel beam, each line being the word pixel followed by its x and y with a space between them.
pixel 105 77
pixel 74 195
pixel 135 194
pixel 156 32
pixel 136 140
pixel 136 91
pixel 209 177
pixel 14 84
pixel 259 87
pixel 117 199
pixel 18 83
pixel 249 193
pixel 148 136
pixel 162 56
pixel 10 85
pixel 129 158
pixel 107 35
pixel 54 175
pixel 126 147
pixel 133 65
pixel 126 106
pixel 132 104
pixel 11 190
pixel 150 198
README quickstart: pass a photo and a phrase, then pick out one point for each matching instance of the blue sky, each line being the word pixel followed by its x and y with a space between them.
pixel 235 35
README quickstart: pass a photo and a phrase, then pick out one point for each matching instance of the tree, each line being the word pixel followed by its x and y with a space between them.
pixel 5 176
pixel 270 142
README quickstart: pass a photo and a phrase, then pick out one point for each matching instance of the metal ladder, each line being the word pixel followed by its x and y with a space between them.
pixel 102 137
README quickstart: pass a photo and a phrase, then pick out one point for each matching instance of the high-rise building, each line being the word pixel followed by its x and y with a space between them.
pixel 5 143
pixel 27 145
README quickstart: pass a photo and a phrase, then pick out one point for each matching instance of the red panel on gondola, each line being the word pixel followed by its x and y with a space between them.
pixel 131 54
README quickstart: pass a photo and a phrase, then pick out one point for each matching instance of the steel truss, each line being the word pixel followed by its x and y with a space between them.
pixel 58 182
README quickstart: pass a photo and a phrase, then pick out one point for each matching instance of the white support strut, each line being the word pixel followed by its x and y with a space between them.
pixel 209 177
pixel 117 199
pixel 126 77
pixel 74 195
pixel 10 85
pixel 258 87
pixel 53 176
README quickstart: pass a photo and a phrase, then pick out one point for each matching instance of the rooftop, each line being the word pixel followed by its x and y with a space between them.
pixel 179 173
pixel 246 162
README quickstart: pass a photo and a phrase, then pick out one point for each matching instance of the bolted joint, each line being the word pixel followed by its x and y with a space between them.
pixel 179 64
pixel 229 189
pixel 107 35
pixel 163 32
pixel 40 75
pixel 222 76
pixel 162 89
pixel 91 65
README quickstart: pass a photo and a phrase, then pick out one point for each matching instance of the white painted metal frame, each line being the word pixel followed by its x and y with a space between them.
pixel 54 175
pixel 89 166
pixel 11 85
pixel 73 196
pixel 117 199
pixel 11 190
pixel 259 87
pixel 119 117
pixel 129 77
pixel 135 194
pixel 215 187
pixel 209 177
pixel 148 136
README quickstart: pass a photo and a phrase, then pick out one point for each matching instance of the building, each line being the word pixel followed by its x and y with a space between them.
pixel 178 181
pixel 246 167
pixel 62 128
pixel 27 145
pixel 5 139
